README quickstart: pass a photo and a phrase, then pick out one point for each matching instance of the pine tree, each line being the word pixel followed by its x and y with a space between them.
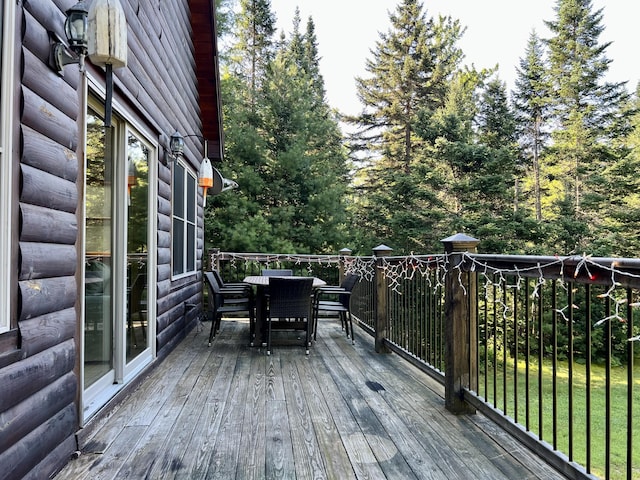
pixel 623 219
pixel 531 101
pixel 495 181
pixel 408 75
pixel 309 175
pixel 235 220
pixel 587 112
pixel 284 149
pixel 254 46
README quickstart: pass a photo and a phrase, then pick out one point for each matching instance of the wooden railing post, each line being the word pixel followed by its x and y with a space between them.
pixel 460 324
pixel 345 252
pixel 381 320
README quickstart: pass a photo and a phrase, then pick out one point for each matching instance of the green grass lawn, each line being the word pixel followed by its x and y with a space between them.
pixel 578 418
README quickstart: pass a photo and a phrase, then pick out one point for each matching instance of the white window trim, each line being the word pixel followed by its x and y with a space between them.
pixel 6 149
pixel 186 273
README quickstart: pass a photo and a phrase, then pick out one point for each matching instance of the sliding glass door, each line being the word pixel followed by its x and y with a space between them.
pixel 119 306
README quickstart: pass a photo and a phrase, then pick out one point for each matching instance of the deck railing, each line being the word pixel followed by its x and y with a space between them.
pixel 542 345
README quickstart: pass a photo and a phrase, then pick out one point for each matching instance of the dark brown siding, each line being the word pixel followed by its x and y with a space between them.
pixel 161 86
pixel 38 410
pixel 160 81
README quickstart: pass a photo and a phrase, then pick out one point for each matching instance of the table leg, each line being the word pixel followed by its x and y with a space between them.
pixel 261 313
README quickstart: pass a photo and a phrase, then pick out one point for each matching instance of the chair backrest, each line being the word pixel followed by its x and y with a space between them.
pixel 277 273
pixel 350 281
pixel 216 299
pixel 348 284
pixel 218 277
pixel 290 297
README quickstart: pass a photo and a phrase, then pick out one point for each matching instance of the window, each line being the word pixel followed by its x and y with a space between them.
pixel 183 248
pixel 7 10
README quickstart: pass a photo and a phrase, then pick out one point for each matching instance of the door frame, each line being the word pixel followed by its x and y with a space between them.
pixel 95 396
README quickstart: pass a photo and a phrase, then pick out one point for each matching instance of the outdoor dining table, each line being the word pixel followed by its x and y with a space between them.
pixel 261 282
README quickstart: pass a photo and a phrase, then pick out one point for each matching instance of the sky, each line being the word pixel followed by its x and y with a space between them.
pixel 497 33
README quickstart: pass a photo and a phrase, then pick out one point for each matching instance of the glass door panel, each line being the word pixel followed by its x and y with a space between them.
pixel 98 287
pixel 137 246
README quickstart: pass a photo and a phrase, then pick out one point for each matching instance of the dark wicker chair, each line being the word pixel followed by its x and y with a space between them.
pixel 290 302
pixel 233 292
pixel 230 286
pixel 333 299
pixel 218 307
pixel 283 272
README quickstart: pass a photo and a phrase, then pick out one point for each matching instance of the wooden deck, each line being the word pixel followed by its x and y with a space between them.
pixel 342 412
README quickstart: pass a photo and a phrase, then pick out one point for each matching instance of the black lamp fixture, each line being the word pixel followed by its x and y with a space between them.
pixel 209 178
pixel 76 30
pixel 176 144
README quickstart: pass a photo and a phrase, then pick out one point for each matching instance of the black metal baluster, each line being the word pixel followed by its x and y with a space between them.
pixel 629 384
pixel 516 341
pixel 607 394
pixel 527 347
pixel 495 343
pixel 588 379
pixel 486 342
pixel 570 359
pixel 505 342
pixel 540 365
pixel 477 372
pixel 554 362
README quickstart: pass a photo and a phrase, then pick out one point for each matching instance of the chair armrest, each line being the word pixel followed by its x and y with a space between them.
pixel 331 289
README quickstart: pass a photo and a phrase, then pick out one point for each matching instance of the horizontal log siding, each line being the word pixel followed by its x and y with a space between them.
pixel 21 419
pixel 38 413
pixel 40 223
pixel 38 410
pixel 34 448
pixel 161 77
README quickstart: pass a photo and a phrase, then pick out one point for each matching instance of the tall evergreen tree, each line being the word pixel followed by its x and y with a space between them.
pixel 283 147
pixel 408 74
pixel 531 100
pixel 623 218
pixel 254 46
pixel 235 220
pixel 495 180
pixel 309 175
pixel 587 112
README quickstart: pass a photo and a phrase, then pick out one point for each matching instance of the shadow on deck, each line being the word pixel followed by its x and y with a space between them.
pixel 229 411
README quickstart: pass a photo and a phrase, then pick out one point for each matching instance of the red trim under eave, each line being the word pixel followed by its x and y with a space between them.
pixel 203 25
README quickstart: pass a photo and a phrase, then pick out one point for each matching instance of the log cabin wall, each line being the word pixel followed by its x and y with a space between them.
pixel 39 357
pixel 160 85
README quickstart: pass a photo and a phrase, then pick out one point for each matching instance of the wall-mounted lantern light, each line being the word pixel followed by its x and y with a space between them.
pixel 208 177
pixel 176 144
pixel 100 32
pixel 76 30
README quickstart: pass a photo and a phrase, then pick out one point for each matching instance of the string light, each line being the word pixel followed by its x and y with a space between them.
pixel 435 268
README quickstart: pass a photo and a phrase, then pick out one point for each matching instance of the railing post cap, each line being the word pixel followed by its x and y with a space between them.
pixel 345 251
pixel 382 250
pixel 460 243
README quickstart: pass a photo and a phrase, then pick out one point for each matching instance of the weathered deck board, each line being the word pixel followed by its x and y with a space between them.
pixel 230 411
